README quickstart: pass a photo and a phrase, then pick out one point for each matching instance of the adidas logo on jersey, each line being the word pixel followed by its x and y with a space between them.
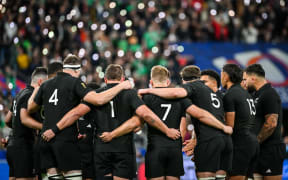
pixel 268 171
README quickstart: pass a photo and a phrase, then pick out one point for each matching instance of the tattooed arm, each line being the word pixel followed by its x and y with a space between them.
pixel 268 128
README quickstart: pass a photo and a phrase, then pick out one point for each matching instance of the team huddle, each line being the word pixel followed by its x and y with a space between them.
pixel 66 129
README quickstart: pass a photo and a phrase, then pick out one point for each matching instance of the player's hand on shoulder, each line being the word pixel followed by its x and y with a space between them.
pixel 48 135
pixel 127 84
pixel 228 130
pixel 106 137
pixel 173 133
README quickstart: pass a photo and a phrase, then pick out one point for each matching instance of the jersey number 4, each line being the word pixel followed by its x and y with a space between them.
pixel 54 98
pixel 168 108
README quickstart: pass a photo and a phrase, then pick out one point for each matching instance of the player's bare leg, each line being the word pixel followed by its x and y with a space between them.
pixel 221 175
pixel 119 178
pixel 73 175
pixel 158 178
pixel 205 175
pixel 279 177
pixel 53 173
pixel 172 178
pixel 237 178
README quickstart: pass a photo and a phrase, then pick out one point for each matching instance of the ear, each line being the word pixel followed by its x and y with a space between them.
pixel 151 82
pixel 122 78
pixel 105 80
pixel 39 82
pixel 168 82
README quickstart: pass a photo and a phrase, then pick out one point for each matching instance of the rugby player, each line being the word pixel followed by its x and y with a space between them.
pixel 239 113
pixel 210 143
pixel 267 124
pixel 59 95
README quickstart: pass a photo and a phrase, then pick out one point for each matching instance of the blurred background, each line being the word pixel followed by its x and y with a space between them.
pixel 138 35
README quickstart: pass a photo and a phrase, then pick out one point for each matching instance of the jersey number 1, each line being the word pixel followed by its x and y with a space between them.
pixel 53 98
pixel 168 106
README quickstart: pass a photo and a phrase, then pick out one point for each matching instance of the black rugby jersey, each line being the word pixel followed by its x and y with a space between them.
pixel 267 101
pixel 58 96
pixel 240 101
pixel 203 97
pixel 20 131
pixel 170 111
pixel 111 115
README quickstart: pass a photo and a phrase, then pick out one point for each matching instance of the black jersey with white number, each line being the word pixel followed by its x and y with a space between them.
pixel 20 131
pixel 267 101
pixel 58 96
pixel 170 112
pixel 203 97
pixel 240 101
pixel 111 115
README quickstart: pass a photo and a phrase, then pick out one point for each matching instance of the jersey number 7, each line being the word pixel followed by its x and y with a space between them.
pixel 168 108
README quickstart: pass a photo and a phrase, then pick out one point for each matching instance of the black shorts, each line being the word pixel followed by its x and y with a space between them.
pixel 245 153
pixel 270 161
pixel 62 155
pixel 227 154
pixel 37 157
pixel 160 161
pixel 87 165
pixel 207 154
pixel 118 164
pixel 20 161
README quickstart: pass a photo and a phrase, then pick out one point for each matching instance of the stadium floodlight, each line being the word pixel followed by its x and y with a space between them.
pixel 103 27
pixel 94 27
pixel 47 18
pixel 141 6
pixel 116 26
pixel 27 20
pixel 155 50
pixel 22 9
pixel 16 40
pixel 95 57
pixel 107 54
pixel 128 32
pixel 123 12
pixel 112 5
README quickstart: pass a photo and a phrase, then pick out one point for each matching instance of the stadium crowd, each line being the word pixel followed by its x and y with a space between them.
pixel 135 34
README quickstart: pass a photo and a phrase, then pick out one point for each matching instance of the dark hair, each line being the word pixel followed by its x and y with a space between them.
pixel 71 60
pixel 212 74
pixel 255 69
pixel 38 71
pixel 234 72
pixel 55 67
pixel 114 72
pixel 191 72
pixel 93 85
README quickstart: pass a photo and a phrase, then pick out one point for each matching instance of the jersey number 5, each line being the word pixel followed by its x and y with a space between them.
pixel 168 108
pixel 53 98
pixel 215 100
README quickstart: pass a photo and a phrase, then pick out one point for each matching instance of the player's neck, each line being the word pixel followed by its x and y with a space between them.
pixel 229 84
pixel 113 82
pixel 260 83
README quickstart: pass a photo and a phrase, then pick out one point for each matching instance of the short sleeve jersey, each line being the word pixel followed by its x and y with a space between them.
pixel 203 97
pixel 58 96
pixel 20 131
pixel 111 115
pixel 267 101
pixel 240 101
pixel 170 112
